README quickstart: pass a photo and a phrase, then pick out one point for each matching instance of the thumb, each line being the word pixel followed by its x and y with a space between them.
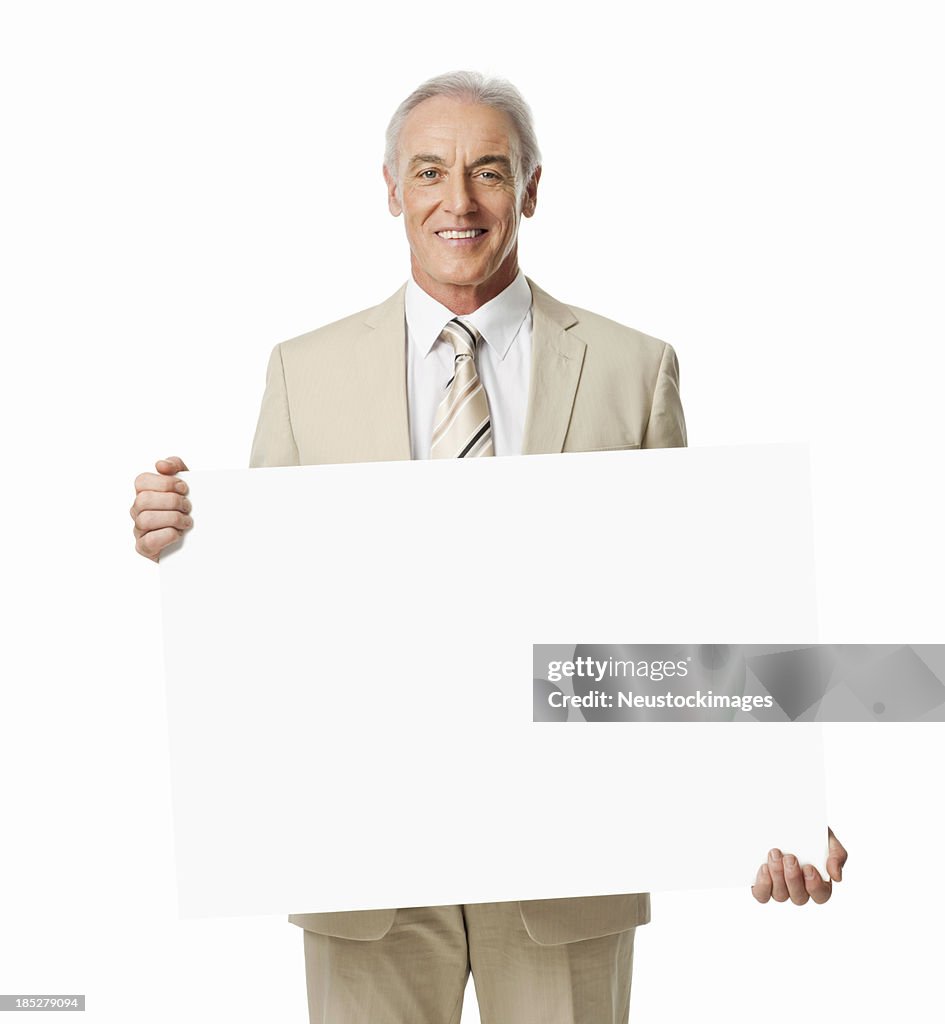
pixel 836 857
pixel 170 466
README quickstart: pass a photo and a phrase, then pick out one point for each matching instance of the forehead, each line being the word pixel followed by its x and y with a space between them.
pixel 442 125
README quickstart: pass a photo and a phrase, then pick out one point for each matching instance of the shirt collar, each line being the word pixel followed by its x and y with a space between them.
pixel 498 320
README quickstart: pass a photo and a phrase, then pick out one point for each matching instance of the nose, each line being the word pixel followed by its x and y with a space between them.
pixel 459 199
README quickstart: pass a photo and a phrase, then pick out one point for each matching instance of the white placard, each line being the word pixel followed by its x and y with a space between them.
pixel 349 661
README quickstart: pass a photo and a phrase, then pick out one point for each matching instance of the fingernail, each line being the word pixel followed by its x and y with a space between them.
pixel 809 873
pixel 790 862
pixel 775 855
pixel 181 487
pixel 188 521
pixel 187 505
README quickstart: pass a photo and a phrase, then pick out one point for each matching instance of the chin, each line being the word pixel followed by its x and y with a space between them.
pixel 459 279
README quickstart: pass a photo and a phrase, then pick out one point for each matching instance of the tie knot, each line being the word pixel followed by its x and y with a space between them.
pixel 463 337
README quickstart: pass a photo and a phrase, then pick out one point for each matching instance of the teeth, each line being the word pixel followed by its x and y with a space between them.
pixel 471 233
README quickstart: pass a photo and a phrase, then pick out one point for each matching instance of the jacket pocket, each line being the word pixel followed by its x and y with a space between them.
pixel 612 448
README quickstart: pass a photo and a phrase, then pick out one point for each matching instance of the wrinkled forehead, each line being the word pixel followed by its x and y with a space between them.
pixel 454 129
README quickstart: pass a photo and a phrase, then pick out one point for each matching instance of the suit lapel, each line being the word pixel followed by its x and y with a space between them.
pixel 557 358
pixel 383 391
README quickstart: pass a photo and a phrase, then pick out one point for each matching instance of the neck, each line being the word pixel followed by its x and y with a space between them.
pixel 462 299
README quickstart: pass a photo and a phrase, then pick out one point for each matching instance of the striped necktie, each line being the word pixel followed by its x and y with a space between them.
pixel 462 429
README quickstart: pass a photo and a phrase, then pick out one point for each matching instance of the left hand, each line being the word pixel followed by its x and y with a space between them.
pixel 783 877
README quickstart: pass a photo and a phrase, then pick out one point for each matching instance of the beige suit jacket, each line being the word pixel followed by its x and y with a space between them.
pixel 339 394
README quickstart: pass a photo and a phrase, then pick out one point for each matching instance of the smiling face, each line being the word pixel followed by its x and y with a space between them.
pixel 457 190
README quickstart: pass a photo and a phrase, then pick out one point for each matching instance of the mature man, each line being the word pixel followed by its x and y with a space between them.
pixel 468 359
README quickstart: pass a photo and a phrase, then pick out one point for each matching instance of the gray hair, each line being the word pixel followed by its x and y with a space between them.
pixel 472 87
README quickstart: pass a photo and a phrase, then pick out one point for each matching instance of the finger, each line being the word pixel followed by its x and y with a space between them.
pixel 156 482
pixel 173 464
pixel 155 519
pixel 761 890
pixel 836 857
pixel 794 880
pixel 818 889
pixel 779 889
pixel 145 548
pixel 164 500
pixel 152 543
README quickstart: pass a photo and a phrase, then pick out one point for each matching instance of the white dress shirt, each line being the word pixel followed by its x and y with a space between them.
pixel 503 360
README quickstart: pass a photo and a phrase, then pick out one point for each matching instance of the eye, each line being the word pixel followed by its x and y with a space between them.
pixel 489 175
pixel 428 174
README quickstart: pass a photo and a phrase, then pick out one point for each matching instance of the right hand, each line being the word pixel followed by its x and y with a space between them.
pixel 161 510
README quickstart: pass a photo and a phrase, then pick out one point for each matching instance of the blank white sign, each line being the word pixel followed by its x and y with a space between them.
pixel 349 665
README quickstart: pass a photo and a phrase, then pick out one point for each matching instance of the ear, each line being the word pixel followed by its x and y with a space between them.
pixel 530 199
pixel 393 200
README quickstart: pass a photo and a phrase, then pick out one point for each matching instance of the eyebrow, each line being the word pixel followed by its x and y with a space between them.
pixel 431 158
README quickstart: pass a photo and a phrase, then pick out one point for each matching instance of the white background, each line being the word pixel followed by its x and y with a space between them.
pixel 185 185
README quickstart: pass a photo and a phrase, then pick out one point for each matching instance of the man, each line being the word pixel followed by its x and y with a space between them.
pixel 468 359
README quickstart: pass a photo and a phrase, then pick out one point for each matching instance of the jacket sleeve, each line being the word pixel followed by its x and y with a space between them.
pixel 666 427
pixel 274 443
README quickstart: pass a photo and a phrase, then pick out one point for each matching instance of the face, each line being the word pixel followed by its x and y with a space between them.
pixel 457 191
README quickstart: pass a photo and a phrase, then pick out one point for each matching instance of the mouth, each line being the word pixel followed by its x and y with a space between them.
pixel 451 235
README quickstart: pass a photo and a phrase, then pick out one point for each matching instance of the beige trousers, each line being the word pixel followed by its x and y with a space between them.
pixel 417 973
